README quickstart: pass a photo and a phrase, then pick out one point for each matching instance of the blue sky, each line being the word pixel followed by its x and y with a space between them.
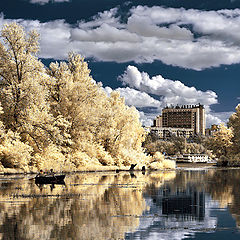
pixel 155 52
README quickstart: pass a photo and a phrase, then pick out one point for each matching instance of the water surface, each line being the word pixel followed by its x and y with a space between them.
pixel 181 204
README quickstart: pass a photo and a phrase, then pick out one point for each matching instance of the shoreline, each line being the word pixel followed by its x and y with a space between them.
pixel 90 171
pixel 117 170
pixel 195 165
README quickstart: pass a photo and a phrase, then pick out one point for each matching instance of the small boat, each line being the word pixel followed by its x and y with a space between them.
pixel 49 179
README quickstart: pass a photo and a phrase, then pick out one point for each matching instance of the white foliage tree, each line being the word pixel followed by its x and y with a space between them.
pixel 234 122
pixel 23 88
pixel 59 117
pixel 102 127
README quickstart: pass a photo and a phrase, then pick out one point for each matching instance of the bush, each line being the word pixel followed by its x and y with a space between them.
pixel 14 153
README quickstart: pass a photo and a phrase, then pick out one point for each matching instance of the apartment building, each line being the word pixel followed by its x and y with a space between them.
pixel 190 118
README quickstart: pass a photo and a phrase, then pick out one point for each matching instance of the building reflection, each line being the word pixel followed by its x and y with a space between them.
pixel 182 204
pixel 175 212
pixel 186 204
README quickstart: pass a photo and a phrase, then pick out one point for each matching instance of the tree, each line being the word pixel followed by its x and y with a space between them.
pixel 101 126
pixel 234 123
pixel 23 90
pixel 179 143
pixel 150 138
pixel 73 94
pixel 221 141
pixel 18 67
pixel 59 116
pixel 1 124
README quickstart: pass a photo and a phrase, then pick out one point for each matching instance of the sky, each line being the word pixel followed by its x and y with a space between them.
pixel 154 52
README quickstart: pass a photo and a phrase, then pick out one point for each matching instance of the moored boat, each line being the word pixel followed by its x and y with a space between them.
pixel 50 179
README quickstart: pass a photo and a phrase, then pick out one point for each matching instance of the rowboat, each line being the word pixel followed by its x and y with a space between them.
pixel 49 179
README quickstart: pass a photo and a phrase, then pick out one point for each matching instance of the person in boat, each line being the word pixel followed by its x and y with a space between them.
pixel 51 172
pixel 40 174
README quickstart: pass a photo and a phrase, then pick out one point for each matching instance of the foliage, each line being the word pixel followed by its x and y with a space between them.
pixel 175 146
pixel 150 138
pixel 102 127
pixel 221 141
pixel 23 90
pixel 234 123
pixel 13 152
pixel 59 117
pixel 225 141
pixel 179 144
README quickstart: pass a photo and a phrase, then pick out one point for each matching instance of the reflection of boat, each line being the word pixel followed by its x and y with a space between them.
pixel 49 179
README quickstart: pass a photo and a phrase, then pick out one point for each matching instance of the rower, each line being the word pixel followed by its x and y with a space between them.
pixel 40 173
pixel 51 172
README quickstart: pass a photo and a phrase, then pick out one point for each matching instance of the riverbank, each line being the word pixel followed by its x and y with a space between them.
pixel 195 165
pixel 9 171
pixel 154 165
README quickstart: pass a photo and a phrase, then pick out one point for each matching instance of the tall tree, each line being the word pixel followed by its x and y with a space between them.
pixel 96 121
pixel 59 116
pixel 221 141
pixel 234 123
pixel 23 90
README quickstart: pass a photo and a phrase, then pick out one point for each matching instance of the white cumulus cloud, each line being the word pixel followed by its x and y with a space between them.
pixel 136 98
pixel 149 34
pixel 193 39
pixel 169 91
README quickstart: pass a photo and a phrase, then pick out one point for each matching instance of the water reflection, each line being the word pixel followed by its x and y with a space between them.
pixel 193 202
pixel 160 205
pixel 187 204
pixel 90 206
pixel 176 213
pixel 224 187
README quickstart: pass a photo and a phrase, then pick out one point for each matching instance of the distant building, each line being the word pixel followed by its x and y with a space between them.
pixel 186 120
pixel 157 122
pixel 165 132
pixel 211 130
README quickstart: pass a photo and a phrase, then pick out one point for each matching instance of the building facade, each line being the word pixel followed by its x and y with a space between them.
pixel 166 132
pixel 186 119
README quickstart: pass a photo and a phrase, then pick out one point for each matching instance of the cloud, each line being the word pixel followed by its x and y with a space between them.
pixel 136 98
pixel 146 118
pixel 186 38
pixel 104 33
pixel 142 101
pixel 192 39
pixel 217 117
pixel 149 34
pixel 145 26
pixel 212 41
pixel 42 2
pixel 141 87
pixel 169 91
pixel 105 17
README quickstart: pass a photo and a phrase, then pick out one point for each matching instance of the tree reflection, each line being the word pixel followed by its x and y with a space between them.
pixel 224 187
pixel 90 206
pixel 106 206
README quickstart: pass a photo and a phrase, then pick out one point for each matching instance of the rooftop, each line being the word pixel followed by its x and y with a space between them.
pixel 184 106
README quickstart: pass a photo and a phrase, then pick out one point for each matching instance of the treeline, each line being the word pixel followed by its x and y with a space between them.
pixel 58 116
pixel 176 145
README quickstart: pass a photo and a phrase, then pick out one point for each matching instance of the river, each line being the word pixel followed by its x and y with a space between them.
pixel 188 203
